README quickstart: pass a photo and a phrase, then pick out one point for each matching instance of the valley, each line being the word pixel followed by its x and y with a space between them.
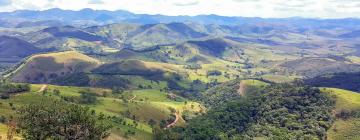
pixel 179 78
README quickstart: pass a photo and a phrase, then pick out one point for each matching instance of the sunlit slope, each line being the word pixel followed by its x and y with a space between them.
pixel 43 68
pixel 345 128
pixel 130 110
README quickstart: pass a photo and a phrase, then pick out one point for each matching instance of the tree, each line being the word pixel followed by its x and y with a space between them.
pixel 88 97
pixel 56 119
pixel 116 90
pixel 152 122
pixel 56 92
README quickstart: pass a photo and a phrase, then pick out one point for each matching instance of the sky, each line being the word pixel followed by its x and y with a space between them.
pixel 246 8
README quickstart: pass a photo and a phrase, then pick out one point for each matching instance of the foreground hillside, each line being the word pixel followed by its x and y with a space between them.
pixel 257 108
pixel 133 113
pixel 347 123
pixel 280 111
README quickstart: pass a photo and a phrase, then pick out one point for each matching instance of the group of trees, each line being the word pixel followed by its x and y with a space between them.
pixel 6 89
pixel 213 73
pixel 56 119
pixel 279 111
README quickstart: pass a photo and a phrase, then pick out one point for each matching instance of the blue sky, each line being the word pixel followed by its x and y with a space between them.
pixel 247 8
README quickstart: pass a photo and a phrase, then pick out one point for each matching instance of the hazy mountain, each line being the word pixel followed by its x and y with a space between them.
pixel 14 47
pixel 88 17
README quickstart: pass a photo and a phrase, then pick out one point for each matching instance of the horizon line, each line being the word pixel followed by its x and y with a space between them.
pixel 292 17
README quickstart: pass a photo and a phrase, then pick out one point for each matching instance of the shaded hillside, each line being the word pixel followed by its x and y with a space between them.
pixel 311 67
pixel 14 47
pixel 353 34
pixel 71 32
pixel 46 67
pixel 143 36
pixel 214 47
pixel 348 81
pixel 128 67
pixel 162 34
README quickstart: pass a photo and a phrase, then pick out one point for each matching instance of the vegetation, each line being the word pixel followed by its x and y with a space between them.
pixel 6 89
pixel 346 112
pixel 209 81
pixel 54 119
pixel 282 111
pixel 348 81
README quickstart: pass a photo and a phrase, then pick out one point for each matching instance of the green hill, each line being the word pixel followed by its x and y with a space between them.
pixel 130 110
pixel 347 123
pixel 44 68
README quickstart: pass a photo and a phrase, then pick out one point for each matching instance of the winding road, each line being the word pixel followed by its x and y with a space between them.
pixel 175 121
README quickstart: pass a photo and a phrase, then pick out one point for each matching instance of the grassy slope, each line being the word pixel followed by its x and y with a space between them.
pixel 148 104
pixel 43 68
pixel 345 129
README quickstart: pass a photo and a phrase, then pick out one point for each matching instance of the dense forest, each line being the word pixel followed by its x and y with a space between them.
pixel 280 111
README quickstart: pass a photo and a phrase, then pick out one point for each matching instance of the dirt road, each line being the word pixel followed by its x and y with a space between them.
pixel 175 121
pixel 130 100
pixel 43 87
pixel 241 89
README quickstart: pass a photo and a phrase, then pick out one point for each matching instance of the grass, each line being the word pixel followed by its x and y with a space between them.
pixel 251 82
pixel 344 129
pixel 278 78
pixel 148 104
pixel 3 131
pixel 150 95
pixel 344 99
pixel 354 59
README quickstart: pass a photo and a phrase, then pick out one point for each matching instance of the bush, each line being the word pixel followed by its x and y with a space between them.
pixel 88 97
pixel 214 73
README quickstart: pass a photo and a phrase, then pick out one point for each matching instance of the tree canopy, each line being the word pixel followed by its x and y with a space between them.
pixel 55 119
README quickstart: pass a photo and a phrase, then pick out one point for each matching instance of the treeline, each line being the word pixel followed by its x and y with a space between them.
pixel 348 81
pixel 6 89
pixel 280 111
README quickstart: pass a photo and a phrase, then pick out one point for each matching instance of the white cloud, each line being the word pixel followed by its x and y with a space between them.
pixel 248 8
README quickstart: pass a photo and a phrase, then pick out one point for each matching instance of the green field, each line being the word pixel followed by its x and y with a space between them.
pixel 147 104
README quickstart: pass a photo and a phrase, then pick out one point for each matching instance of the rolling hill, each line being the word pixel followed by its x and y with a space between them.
pixel 44 68
pixel 290 78
pixel 347 121
pixel 311 67
pixel 11 47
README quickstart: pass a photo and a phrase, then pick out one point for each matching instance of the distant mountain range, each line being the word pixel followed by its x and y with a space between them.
pixel 88 17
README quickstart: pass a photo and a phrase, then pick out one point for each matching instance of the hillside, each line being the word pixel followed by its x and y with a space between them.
pixel 133 113
pixel 348 81
pixel 347 123
pixel 90 74
pixel 311 67
pixel 11 47
pixel 13 50
pixel 275 111
pixel 44 68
